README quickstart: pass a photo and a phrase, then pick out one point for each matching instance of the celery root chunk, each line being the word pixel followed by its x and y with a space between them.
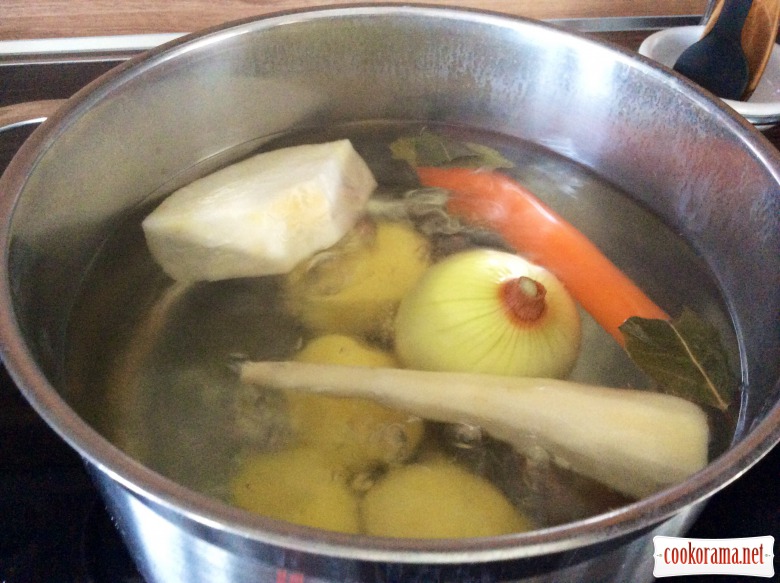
pixel 262 215
pixel 635 442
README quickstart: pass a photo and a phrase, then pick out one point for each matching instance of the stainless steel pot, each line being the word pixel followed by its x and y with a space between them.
pixel 705 172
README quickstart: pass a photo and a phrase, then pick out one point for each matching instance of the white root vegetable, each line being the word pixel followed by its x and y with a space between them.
pixel 635 442
pixel 260 216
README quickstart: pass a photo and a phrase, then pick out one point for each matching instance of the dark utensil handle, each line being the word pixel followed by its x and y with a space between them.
pixel 732 18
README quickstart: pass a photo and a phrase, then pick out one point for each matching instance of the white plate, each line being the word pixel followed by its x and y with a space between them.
pixel 763 107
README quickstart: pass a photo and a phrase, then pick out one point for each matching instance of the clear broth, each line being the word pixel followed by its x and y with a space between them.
pixel 150 368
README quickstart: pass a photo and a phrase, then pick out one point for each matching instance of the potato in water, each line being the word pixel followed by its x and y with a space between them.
pixel 296 485
pixel 355 287
pixel 438 499
pixel 356 434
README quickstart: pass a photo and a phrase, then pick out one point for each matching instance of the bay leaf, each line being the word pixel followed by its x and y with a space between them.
pixel 489 158
pixel 684 357
pixel 429 149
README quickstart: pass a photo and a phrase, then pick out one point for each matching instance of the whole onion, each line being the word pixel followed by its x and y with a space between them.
pixel 492 312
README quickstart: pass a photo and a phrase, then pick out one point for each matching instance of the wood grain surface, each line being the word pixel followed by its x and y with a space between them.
pixel 29 19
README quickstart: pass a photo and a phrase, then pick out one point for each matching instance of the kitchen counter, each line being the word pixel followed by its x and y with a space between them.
pixel 28 19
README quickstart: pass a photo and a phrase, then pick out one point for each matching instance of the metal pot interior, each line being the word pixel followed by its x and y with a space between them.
pixel 199 102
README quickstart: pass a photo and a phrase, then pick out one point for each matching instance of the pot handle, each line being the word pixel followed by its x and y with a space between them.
pixel 29 112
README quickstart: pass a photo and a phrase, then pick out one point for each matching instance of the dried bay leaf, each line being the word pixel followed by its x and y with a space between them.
pixel 684 356
pixel 429 149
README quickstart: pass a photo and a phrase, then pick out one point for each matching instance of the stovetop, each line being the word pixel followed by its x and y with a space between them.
pixel 53 525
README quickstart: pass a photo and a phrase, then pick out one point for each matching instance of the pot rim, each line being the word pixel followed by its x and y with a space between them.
pixel 199 508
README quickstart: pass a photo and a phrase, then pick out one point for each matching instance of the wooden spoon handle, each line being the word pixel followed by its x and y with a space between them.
pixel 758 37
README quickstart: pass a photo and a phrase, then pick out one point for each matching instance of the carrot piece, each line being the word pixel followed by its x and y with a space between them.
pixel 494 200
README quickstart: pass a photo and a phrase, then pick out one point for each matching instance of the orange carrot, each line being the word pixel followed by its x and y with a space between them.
pixel 494 200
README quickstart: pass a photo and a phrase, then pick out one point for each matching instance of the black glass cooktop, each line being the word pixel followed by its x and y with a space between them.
pixel 53 526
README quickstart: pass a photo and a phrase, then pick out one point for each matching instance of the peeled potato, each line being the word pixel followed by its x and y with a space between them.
pixel 355 288
pixel 438 499
pixel 342 349
pixel 354 433
pixel 298 486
